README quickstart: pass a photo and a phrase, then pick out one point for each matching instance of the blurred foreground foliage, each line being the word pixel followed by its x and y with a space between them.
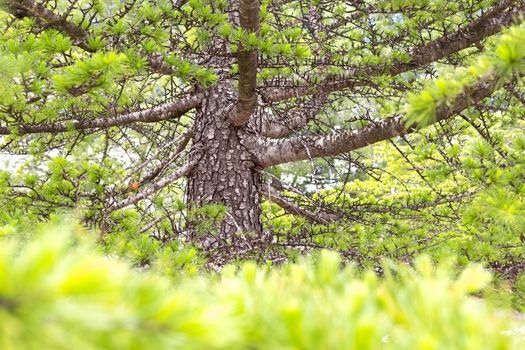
pixel 59 291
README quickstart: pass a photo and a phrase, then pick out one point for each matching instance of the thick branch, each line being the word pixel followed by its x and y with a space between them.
pixel 247 60
pixel 162 112
pixel 273 152
pixel 486 25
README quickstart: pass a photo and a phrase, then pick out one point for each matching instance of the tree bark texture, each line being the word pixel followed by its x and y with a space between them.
pixel 225 168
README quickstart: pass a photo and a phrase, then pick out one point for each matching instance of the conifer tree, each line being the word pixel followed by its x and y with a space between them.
pixel 141 98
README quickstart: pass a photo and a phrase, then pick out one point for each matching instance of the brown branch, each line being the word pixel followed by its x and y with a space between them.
pixel 272 152
pixel 276 129
pixel 315 217
pixel 247 60
pixel 185 139
pixel 490 23
pixel 28 8
pixel 293 121
pixel 181 172
pixel 165 111
pixel 165 152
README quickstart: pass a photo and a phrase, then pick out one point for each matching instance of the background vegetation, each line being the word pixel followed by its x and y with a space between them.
pixel 58 292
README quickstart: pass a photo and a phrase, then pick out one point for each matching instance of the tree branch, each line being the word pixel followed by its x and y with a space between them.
pixel 293 121
pixel 486 25
pixel 183 142
pixel 318 218
pixel 28 8
pixel 273 152
pixel 247 60
pixel 181 172
pixel 165 111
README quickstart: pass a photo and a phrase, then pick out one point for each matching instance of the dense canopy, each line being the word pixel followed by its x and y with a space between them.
pixel 258 129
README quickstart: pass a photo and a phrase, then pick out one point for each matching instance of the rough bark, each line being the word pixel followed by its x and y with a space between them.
pixel 225 170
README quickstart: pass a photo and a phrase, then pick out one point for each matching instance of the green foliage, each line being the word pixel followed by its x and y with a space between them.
pixel 505 59
pixel 55 293
pixel 58 295
pixel 411 190
pixel 207 218
pixel 171 258
pixel 465 201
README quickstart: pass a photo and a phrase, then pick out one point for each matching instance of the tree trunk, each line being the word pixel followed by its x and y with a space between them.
pixel 225 171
